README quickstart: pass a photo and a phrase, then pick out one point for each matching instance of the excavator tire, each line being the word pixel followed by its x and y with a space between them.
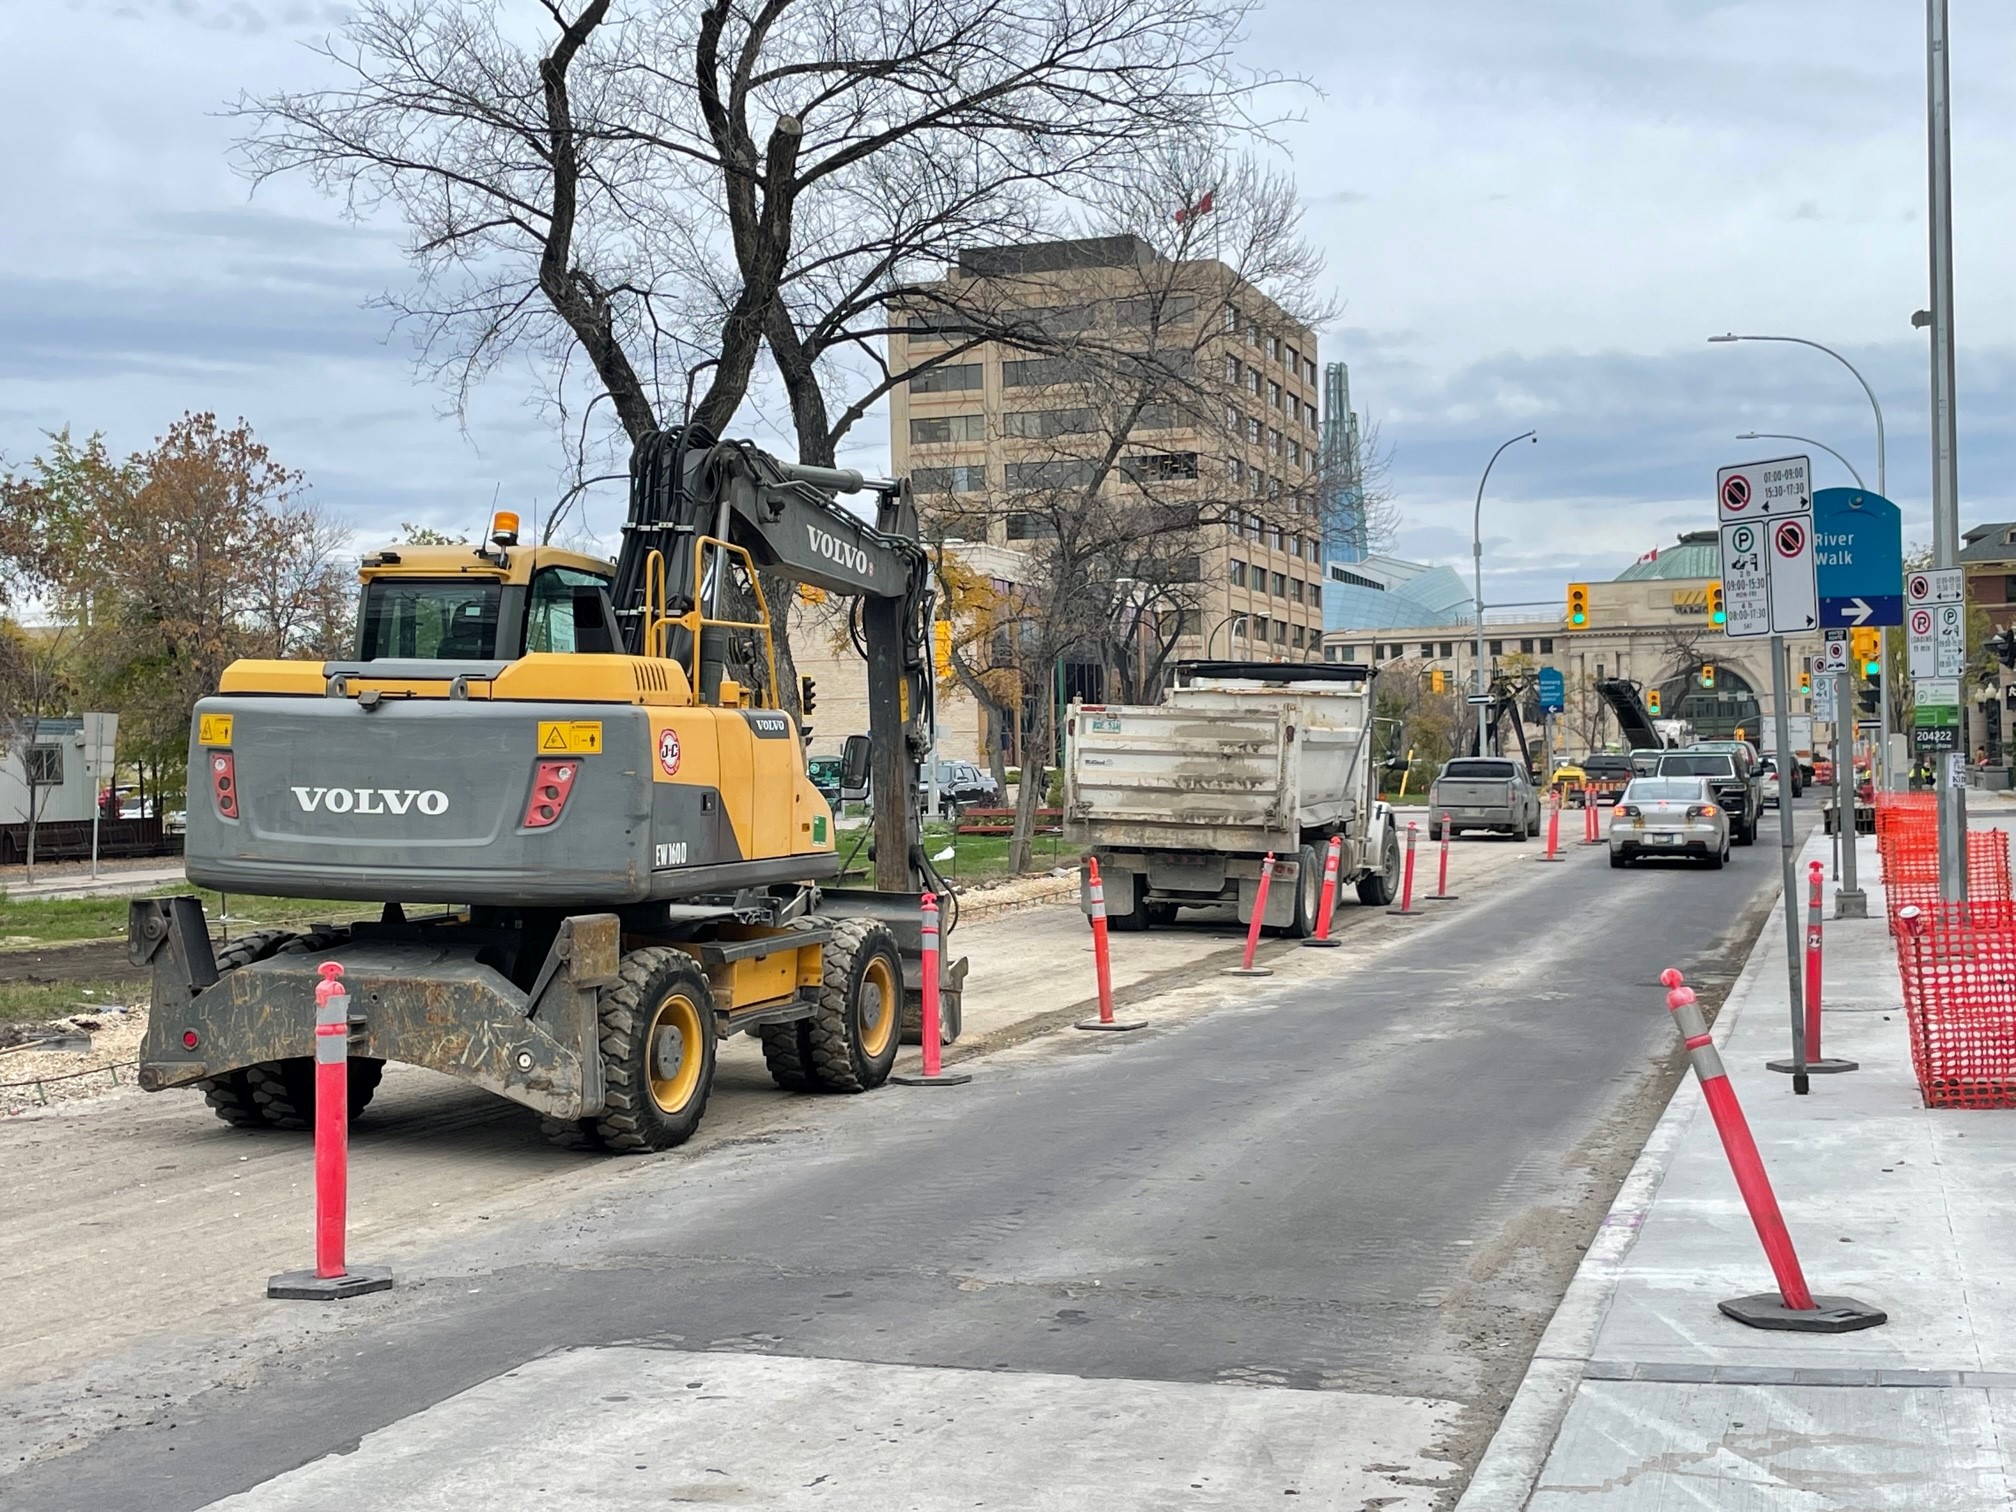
pixel 849 1045
pixel 230 1095
pixel 658 1041
pixel 785 1055
pixel 280 1094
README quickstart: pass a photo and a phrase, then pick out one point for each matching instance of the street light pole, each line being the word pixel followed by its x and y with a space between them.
pixel 1804 441
pixel 1882 488
pixel 1477 569
pixel 1945 474
pixel 1210 639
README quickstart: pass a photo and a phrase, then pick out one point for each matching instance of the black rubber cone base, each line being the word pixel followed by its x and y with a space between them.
pixel 1405 913
pixel 1827 1065
pixel 1441 897
pixel 1252 971
pixel 1557 856
pixel 1312 943
pixel 919 1079
pixel 306 1286
pixel 1826 1315
pixel 1114 1026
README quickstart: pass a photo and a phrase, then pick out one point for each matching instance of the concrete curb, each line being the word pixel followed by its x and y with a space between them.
pixel 1512 1462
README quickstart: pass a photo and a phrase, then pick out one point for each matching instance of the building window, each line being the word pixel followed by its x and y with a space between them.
pixel 1447 648
pixel 1259 487
pixel 1235 469
pixel 1232 367
pixel 1040 372
pixel 1310 365
pixel 1231 318
pixel 1330 653
pixel 1260 627
pixel 1274 536
pixel 1052 473
pixel 949 378
pixel 1546 646
pixel 1315 595
pixel 1252 333
pixel 1253 381
pixel 1042 424
pixel 1232 418
pixel 1280 588
pixel 1295 453
pixel 948 428
pixel 970 478
pixel 1273 440
pixel 1274 347
pixel 1238 573
pixel 1295 590
pixel 1255 529
pixel 1252 430
pixel 1526 646
pixel 1280 632
pixel 1030 527
pixel 45 766
pixel 1497 648
pixel 1294 360
pixel 1168 309
pixel 1159 467
pixel 1295 639
pixel 1428 650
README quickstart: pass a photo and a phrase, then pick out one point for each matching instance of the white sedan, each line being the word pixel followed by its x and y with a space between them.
pixel 1769 777
pixel 1669 816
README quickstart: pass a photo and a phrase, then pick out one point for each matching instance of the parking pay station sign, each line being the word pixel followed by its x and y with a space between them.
pixel 1766 515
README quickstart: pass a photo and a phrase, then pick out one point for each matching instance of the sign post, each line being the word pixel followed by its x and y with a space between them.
pixel 1765 510
pixel 101 742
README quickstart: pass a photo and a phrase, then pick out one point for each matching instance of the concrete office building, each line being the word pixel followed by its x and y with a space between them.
pixel 1240 437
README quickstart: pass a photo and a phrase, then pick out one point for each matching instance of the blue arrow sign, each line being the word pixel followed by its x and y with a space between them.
pixel 1553 690
pixel 1858 558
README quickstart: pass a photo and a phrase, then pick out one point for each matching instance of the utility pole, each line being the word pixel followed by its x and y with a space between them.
pixel 1945 477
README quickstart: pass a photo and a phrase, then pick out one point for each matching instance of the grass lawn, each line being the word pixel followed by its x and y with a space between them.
pixel 29 922
pixel 974 858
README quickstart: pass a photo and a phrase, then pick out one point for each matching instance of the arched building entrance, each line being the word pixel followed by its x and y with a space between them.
pixel 1716 713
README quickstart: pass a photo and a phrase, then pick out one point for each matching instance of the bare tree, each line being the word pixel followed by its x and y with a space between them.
pixel 661 191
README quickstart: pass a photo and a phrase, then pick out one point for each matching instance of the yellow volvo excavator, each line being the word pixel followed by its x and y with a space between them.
pixel 584 821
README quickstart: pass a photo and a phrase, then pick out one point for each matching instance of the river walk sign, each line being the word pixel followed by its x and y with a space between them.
pixel 1858 556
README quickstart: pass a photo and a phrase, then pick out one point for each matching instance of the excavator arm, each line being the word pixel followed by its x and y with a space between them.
pixel 706 516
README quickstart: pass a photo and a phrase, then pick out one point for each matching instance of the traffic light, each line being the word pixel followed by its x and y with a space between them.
pixel 1717 615
pixel 1868 698
pixel 1806 684
pixel 1578 606
pixel 1652 702
pixel 808 696
pixel 1866 646
pixel 1438 680
pixel 2003 647
pixel 1707 674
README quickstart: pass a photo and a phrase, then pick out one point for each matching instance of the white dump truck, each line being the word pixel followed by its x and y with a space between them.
pixel 1182 801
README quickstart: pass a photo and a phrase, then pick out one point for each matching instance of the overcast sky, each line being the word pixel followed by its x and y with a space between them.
pixel 1533 211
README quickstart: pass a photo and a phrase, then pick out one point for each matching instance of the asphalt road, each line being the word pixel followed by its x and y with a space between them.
pixel 1372 1183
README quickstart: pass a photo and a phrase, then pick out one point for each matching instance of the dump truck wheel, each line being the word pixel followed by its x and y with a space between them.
pixel 1136 918
pixel 1378 889
pixel 658 1037
pixel 850 1043
pixel 230 1095
pixel 1308 894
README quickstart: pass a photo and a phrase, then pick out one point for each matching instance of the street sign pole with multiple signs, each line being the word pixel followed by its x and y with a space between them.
pixel 1765 511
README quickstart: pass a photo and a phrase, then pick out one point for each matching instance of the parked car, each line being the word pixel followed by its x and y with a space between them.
pixel 1486 792
pixel 1669 816
pixel 1767 782
pixel 961 785
pixel 1733 780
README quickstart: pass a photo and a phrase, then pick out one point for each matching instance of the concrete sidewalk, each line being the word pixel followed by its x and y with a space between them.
pixel 1643 1396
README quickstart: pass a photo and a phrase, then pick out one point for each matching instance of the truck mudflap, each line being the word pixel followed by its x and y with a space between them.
pixel 426 1004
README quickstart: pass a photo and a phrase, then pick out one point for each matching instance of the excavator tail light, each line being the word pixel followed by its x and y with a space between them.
pixel 224 783
pixel 552 786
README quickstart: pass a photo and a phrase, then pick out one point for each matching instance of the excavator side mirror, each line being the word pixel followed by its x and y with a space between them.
pixel 854 765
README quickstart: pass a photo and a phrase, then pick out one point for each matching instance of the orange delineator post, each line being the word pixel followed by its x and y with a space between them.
pixel 1406 904
pixel 1553 829
pixel 1816 1063
pixel 1442 893
pixel 1793 1307
pixel 331 1279
pixel 1102 960
pixel 929 1028
pixel 1246 966
pixel 1333 861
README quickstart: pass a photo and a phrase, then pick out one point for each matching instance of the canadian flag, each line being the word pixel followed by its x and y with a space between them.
pixel 1202 207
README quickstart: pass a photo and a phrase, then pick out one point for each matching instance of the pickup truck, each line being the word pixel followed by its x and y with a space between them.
pixel 1487 793
pixel 1737 785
